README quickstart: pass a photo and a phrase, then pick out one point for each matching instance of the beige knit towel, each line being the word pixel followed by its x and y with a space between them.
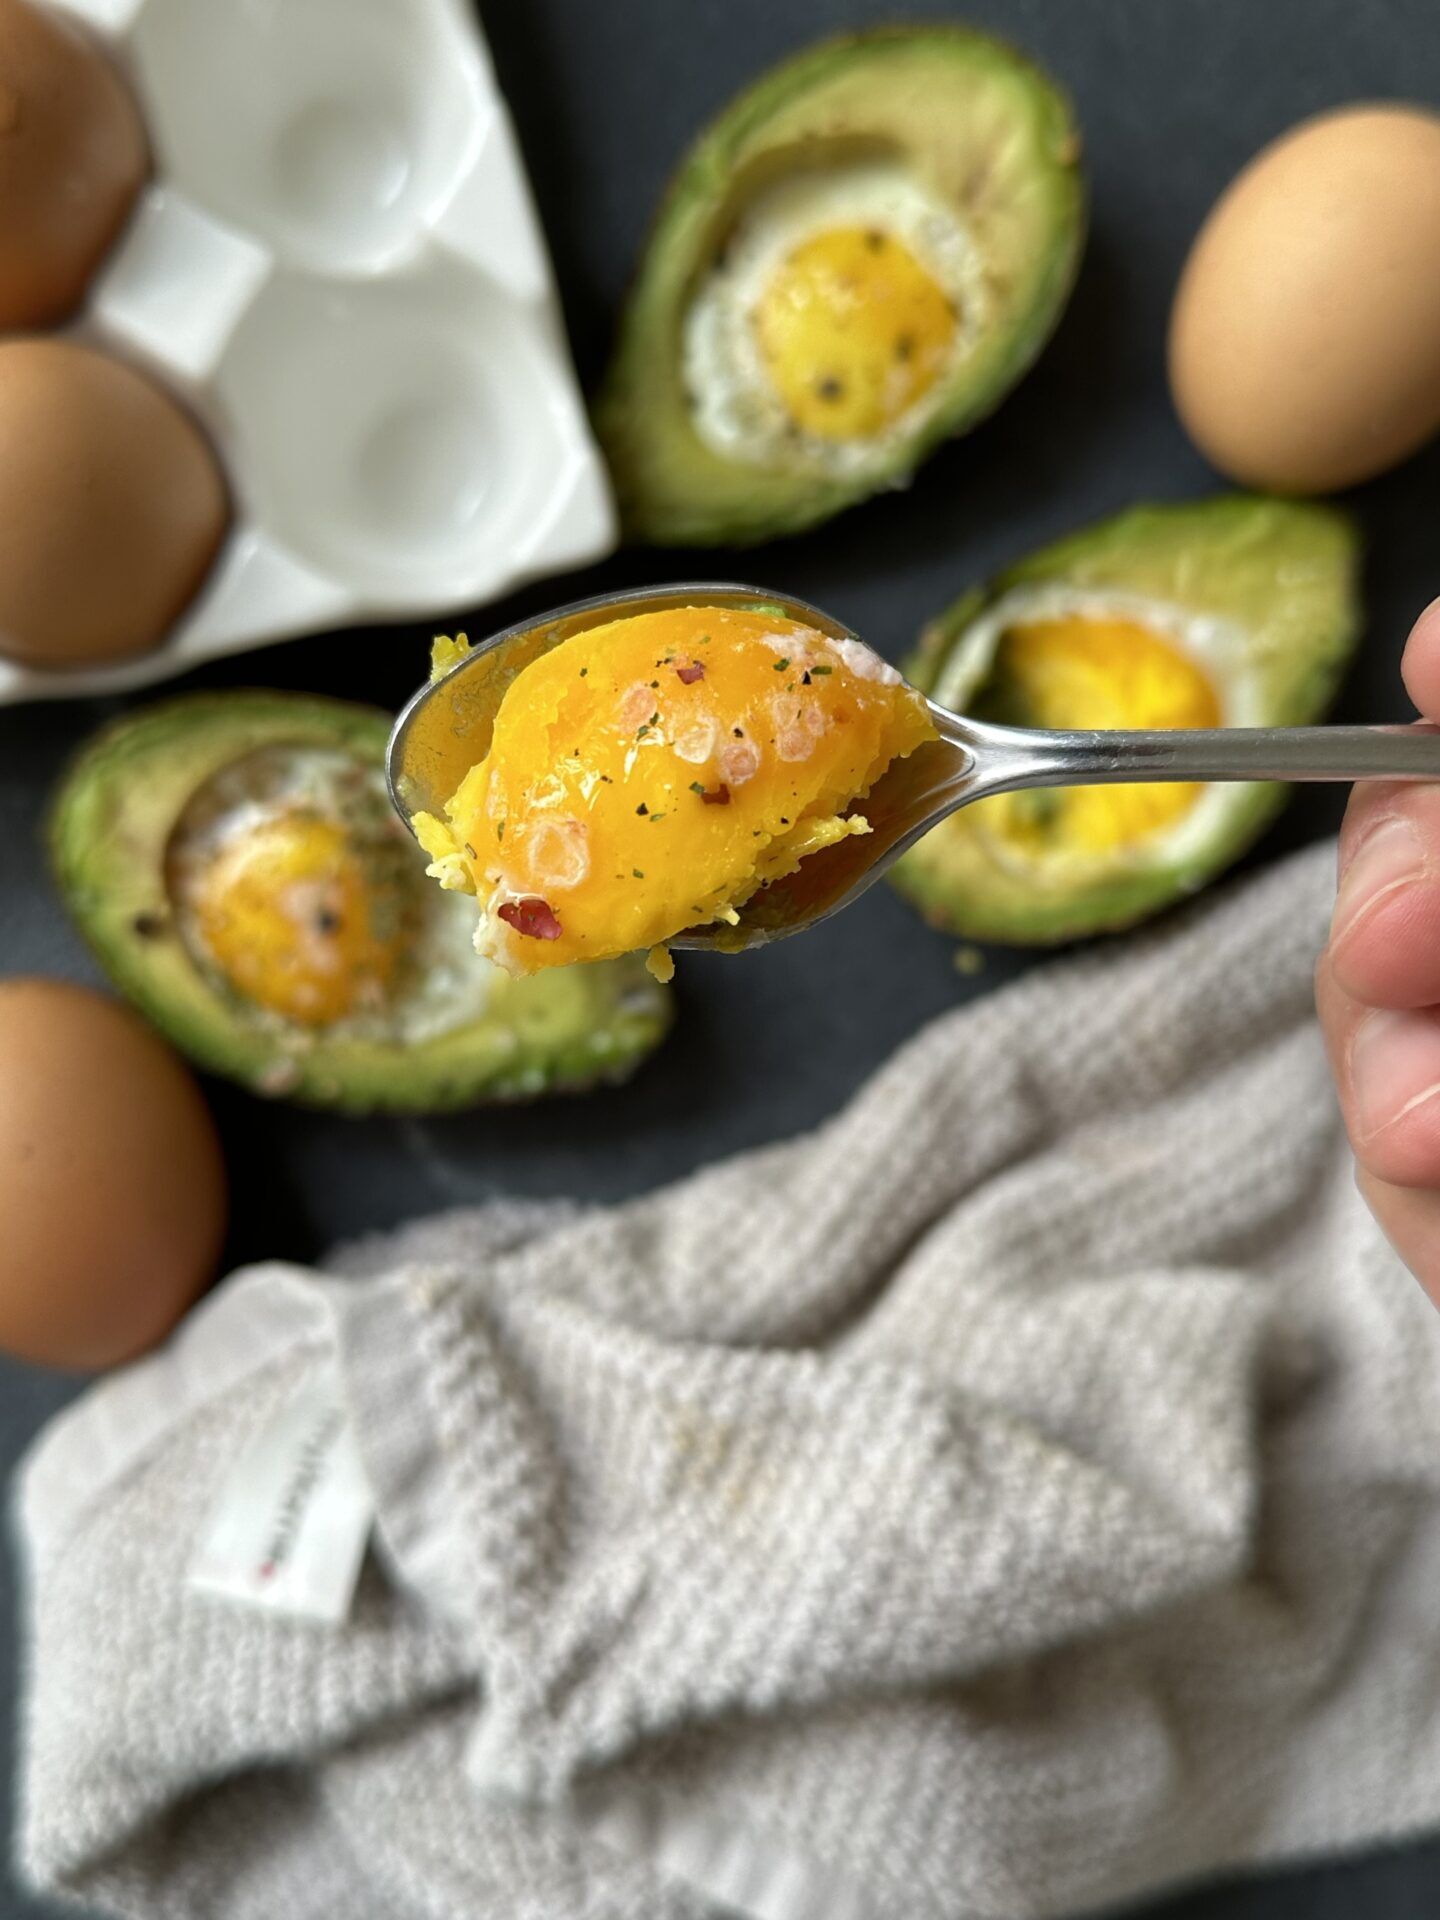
pixel 1023 1492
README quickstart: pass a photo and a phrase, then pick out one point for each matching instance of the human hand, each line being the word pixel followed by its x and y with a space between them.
pixel 1378 988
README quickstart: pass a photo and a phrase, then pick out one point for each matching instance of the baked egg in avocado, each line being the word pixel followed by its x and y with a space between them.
pixel 859 258
pixel 1234 612
pixel 235 863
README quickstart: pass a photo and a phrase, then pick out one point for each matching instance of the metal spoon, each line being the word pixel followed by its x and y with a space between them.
pixel 446 728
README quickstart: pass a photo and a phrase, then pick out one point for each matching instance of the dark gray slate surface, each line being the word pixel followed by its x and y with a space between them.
pixel 1173 97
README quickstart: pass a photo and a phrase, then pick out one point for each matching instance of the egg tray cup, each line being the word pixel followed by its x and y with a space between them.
pixel 337 267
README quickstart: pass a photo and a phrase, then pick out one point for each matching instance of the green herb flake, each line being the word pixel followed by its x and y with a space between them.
pixel 782 663
pixel 656 816
pixel 500 830
pixel 697 786
pixel 822 669
pixel 583 672
pixel 638 872
pixel 471 851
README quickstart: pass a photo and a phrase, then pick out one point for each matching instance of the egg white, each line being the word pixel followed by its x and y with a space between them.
pixel 735 407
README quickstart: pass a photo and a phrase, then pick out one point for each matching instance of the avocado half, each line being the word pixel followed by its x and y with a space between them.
pixel 1260 593
pixel 110 828
pixel 979 124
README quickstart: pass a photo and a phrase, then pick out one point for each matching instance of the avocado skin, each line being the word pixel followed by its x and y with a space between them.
pixel 1285 571
pixel 672 489
pixel 108 828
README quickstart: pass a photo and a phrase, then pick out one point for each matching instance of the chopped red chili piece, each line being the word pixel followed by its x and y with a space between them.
pixel 687 676
pixel 533 917
pixel 716 796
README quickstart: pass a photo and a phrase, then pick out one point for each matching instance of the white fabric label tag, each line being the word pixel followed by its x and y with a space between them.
pixel 288 1529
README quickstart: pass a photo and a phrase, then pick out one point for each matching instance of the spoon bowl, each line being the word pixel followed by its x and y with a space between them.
pixel 447 726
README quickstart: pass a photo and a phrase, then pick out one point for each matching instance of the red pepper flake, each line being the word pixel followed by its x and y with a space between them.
pixel 533 917
pixel 716 796
pixel 687 676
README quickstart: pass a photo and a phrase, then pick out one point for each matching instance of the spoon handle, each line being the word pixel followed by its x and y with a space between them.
pixel 1012 757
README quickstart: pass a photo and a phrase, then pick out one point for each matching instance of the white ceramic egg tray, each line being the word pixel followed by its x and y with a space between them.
pixel 338 267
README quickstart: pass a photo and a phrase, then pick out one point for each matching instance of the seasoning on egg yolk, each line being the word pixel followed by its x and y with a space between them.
pixel 853 331
pixel 1079 671
pixel 296 920
pixel 648 775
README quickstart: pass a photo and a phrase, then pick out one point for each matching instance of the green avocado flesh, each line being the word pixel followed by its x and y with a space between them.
pixel 970 122
pixel 112 833
pixel 1260 593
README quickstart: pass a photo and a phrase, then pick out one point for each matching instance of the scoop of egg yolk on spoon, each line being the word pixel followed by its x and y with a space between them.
pixel 648 775
pixel 701 767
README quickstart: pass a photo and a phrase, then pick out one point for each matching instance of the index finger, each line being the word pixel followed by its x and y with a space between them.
pixel 1385 937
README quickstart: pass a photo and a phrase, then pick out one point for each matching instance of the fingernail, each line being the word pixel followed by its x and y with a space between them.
pixel 1394 1067
pixel 1389 855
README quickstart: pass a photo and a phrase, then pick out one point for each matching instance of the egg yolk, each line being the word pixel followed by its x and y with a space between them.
pixel 294 918
pixel 853 331
pixel 648 775
pixel 1083 672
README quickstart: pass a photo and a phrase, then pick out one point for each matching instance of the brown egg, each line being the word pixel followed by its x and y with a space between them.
pixel 72 157
pixel 1305 336
pixel 111 506
pixel 112 1189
